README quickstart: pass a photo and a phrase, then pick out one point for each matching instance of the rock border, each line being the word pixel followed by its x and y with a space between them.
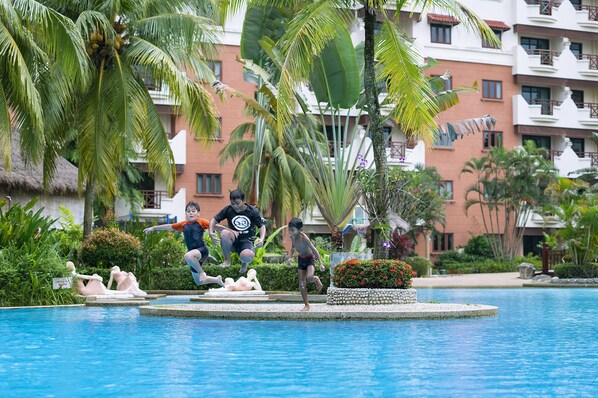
pixel 350 296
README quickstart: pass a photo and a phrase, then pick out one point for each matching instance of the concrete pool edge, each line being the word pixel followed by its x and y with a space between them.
pixel 321 312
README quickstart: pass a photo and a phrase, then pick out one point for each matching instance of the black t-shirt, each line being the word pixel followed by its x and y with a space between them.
pixel 244 222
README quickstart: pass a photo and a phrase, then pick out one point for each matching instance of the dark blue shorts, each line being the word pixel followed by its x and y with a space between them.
pixel 204 253
pixel 304 262
pixel 240 245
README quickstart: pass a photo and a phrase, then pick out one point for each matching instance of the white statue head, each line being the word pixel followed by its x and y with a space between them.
pixel 252 273
pixel 70 265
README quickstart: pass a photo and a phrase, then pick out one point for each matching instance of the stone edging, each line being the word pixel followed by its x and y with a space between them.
pixel 345 296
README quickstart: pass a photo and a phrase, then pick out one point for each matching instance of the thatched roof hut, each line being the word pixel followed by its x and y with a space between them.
pixel 29 178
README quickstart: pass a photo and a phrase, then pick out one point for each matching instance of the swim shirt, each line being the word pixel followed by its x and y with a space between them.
pixel 193 232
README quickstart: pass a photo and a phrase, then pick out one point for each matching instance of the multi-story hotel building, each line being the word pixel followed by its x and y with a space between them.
pixel 541 84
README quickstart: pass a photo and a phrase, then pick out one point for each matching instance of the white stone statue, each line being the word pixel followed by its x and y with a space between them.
pixel 243 284
pixel 94 286
pixel 125 282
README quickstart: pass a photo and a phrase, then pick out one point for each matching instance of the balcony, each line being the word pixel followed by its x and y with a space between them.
pixel 156 204
pixel 178 146
pixel 554 113
pixel 555 64
pixel 405 154
pixel 557 14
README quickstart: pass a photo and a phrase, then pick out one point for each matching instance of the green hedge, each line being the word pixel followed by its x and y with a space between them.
pixel 272 277
pixel 576 271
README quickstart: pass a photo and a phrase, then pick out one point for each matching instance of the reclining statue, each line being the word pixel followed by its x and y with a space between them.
pixel 242 284
pixel 94 286
pixel 126 282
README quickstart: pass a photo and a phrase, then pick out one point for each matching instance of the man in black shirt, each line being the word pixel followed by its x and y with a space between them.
pixel 242 220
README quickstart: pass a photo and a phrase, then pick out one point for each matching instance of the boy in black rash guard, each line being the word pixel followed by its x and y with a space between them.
pixel 193 229
pixel 242 220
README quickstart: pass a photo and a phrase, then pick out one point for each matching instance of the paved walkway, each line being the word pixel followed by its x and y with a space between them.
pixel 504 279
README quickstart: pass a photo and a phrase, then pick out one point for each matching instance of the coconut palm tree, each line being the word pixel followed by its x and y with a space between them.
pixel 130 43
pixel 42 61
pixel 389 56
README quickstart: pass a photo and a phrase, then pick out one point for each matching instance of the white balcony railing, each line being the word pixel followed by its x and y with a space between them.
pixel 554 113
pixel 557 14
pixel 156 204
pixel 556 64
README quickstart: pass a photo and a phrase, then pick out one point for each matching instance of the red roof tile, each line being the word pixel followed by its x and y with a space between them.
pixel 498 25
pixel 442 19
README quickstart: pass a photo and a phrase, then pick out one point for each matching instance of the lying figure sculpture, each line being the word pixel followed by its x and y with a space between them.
pixel 243 284
pixel 94 286
pixel 126 282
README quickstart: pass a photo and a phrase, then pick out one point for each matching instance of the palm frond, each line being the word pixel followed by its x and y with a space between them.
pixel 408 88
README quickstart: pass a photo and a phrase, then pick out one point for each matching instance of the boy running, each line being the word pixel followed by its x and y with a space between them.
pixel 193 229
pixel 306 256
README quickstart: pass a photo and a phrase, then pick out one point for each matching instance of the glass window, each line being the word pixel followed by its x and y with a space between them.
pixel 492 139
pixel 487 44
pixel 445 189
pixel 209 184
pixel 216 67
pixel 442 242
pixel 492 89
pixel 440 33
pixel 448 84
pixel 540 141
pixel 576 49
pixel 578 145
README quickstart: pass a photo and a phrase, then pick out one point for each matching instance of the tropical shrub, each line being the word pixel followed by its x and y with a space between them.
pixel 168 252
pixel 568 270
pixel 401 246
pixel 381 274
pixel 107 247
pixel 70 236
pixel 479 246
pixel 448 259
pixel 420 265
pixel 29 259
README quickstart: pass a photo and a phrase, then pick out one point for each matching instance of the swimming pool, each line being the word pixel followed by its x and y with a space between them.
pixel 544 342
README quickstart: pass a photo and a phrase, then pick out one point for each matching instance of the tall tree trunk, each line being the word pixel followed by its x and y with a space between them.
pixel 337 239
pixel 88 209
pixel 375 119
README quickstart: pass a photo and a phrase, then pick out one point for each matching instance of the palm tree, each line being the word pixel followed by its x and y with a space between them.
pixel 42 61
pixel 128 41
pixel 285 185
pixel 389 56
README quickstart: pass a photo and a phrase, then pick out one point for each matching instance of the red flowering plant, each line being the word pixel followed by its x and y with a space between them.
pixel 373 274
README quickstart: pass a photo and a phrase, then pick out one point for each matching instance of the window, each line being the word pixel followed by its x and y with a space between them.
pixel 216 67
pixel 530 44
pixel 448 84
pixel 209 184
pixel 577 97
pixel 487 44
pixel 442 242
pixel 440 33
pixel 576 49
pixel 445 189
pixel 538 95
pixel 540 141
pixel 492 89
pixel 443 140
pixel 578 145
pixel 492 139
pixel 217 136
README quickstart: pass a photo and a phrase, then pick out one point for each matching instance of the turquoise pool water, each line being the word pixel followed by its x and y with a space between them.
pixel 544 342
